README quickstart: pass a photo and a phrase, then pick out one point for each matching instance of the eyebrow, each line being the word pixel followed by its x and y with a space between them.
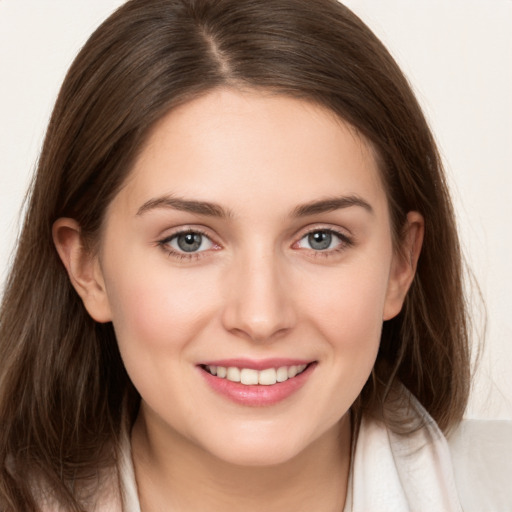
pixel 215 210
pixel 184 205
pixel 331 204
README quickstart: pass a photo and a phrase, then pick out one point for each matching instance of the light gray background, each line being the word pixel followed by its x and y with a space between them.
pixel 458 57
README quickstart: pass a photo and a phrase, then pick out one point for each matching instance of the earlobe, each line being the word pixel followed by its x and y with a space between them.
pixel 404 265
pixel 83 268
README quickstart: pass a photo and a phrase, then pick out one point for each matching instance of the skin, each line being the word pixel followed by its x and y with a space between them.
pixel 257 288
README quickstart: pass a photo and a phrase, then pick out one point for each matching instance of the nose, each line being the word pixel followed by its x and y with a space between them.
pixel 259 303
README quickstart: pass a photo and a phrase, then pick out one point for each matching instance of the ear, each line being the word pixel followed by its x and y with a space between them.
pixel 83 268
pixel 403 267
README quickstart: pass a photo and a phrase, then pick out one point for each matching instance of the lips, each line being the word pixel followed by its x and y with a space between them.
pixel 257 383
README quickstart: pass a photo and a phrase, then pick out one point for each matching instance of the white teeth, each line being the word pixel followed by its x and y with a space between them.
pixel 267 377
pixel 248 376
pixel 251 377
pixel 282 374
pixel 292 371
pixel 233 374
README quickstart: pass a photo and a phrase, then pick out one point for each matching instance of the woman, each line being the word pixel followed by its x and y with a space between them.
pixel 239 281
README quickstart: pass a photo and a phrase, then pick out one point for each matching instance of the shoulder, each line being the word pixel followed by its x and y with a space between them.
pixel 481 452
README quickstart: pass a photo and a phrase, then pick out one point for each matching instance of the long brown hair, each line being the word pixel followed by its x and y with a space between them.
pixel 62 381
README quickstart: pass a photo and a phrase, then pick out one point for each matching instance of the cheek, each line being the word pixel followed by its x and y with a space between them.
pixel 349 303
pixel 347 309
pixel 157 310
pixel 156 317
pixel 343 308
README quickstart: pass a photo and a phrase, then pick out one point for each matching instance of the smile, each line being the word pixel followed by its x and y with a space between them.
pixel 257 383
pixel 251 377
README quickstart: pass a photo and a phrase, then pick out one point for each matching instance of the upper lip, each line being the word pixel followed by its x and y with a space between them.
pixel 253 364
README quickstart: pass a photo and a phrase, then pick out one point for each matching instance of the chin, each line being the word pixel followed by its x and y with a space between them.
pixel 259 445
pixel 257 455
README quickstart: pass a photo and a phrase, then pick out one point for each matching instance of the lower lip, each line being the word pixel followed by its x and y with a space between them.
pixel 259 395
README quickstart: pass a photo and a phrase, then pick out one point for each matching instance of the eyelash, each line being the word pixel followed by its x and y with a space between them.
pixel 345 242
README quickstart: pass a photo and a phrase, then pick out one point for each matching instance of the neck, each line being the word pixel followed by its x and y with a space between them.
pixel 174 474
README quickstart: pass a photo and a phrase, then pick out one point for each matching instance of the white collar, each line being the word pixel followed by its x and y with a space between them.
pixel 402 473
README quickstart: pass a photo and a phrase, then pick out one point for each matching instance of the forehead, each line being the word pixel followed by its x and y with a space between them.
pixel 243 148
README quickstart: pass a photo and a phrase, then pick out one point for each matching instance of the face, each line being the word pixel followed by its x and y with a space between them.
pixel 250 242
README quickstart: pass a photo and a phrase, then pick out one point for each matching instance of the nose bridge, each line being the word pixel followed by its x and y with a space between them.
pixel 259 304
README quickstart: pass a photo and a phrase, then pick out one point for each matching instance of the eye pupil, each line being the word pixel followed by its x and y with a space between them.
pixel 320 240
pixel 190 242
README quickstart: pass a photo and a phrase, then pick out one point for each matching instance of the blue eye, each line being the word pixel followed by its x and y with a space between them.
pixel 322 240
pixel 189 242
